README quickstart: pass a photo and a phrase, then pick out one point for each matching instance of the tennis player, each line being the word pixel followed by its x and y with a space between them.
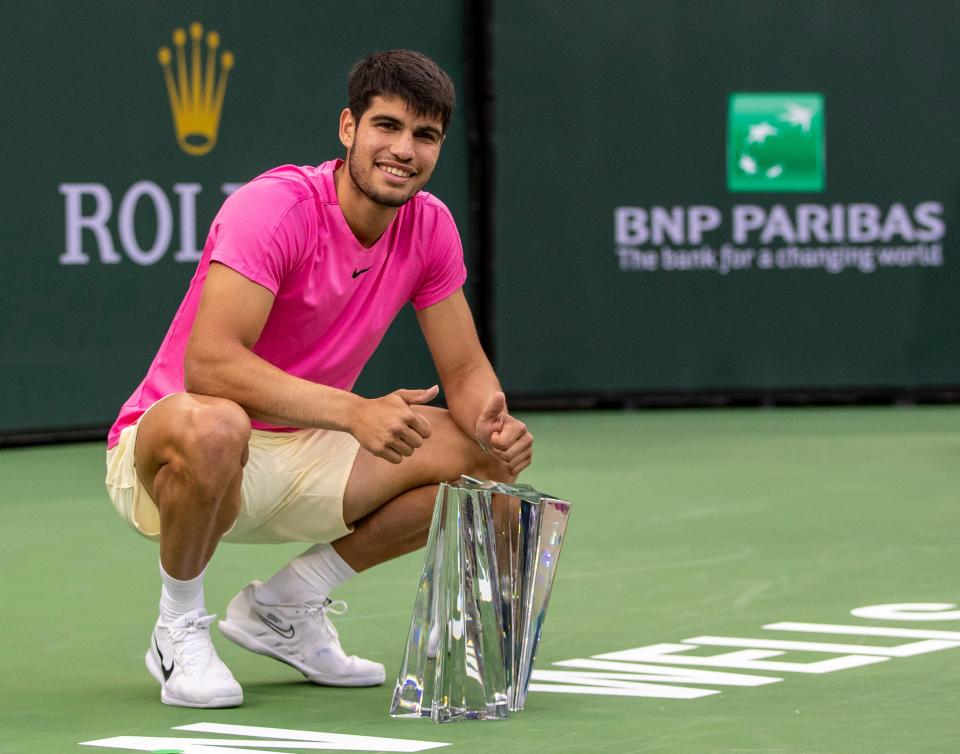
pixel 244 428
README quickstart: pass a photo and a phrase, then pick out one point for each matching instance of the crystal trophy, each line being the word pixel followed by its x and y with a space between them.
pixel 489 566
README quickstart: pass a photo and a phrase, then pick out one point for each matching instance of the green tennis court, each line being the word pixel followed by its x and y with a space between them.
pixel 687 525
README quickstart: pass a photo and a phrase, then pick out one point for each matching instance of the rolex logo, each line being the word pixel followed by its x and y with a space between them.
pixel 195 88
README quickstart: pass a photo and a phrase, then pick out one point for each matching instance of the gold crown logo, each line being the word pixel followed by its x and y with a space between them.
pixel 195 98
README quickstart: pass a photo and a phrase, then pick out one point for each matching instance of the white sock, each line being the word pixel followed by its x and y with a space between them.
pixel 177 598
pixel 308 577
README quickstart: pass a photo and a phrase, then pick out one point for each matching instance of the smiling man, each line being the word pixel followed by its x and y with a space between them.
pixel 245 428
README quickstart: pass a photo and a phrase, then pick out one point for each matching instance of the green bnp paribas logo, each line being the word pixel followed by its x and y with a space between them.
pixel 775 142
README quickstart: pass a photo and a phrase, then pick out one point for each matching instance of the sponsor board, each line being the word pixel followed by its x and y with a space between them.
pixel 776 143
pixel 195 75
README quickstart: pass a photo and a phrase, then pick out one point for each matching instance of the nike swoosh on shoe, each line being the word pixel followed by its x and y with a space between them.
pixel 286 632
pixel 167 672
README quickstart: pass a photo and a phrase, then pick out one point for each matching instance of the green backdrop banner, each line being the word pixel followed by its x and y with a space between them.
pixel 737 196
pixel 726 196
pixel 113 174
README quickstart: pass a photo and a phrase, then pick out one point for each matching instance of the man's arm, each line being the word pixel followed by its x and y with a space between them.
pixel 219 362
pixel 472 390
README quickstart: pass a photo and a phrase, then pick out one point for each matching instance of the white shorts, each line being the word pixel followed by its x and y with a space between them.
pixel 292 488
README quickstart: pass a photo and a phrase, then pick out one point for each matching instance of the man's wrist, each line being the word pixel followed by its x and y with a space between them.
pixel 345 407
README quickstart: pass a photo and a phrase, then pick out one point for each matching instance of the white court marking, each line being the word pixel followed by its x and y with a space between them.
pixel 651 671
pixel 260 740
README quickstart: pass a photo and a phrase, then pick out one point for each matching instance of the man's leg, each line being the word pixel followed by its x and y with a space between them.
pixel 390 506
pixel 396 528
pixel 189 455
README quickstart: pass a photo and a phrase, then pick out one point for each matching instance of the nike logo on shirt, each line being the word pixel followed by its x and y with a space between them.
pixel 357 273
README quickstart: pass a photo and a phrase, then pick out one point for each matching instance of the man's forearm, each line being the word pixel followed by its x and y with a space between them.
pixel 265 392
pixel 467 392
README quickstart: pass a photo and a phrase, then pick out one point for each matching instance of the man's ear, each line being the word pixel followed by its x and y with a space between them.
pixel 348 128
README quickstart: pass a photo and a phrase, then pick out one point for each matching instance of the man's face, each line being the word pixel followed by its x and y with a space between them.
pixel 392 151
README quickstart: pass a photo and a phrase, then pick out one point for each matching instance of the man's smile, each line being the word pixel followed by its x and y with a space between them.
pixel 395 171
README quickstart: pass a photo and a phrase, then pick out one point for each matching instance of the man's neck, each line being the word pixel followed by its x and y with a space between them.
pixel 365 218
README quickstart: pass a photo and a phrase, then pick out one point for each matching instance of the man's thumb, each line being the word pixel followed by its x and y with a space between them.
pixel 495 408
pixel 419 396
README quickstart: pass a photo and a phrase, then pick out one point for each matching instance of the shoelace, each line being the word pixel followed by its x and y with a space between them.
pixel 192 643
pixel 333 607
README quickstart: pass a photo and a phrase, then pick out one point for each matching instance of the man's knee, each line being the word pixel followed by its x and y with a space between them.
pixel 190 453
pixel 198 438
pixel 216 434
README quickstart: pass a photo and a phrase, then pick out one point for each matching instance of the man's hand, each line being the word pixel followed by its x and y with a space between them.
pixel 389 428
pixel 504 436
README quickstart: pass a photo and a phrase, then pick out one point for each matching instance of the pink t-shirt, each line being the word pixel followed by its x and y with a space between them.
pixel 334 299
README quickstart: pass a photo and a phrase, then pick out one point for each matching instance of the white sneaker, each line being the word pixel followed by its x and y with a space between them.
pixel 184 662
pixel 301 635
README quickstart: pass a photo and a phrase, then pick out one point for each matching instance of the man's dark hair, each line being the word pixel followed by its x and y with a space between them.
pixel 410 75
